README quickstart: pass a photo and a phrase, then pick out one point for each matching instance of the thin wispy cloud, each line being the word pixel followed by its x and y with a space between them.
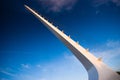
pixel 38 66
pixel 58 5
pixel 113 44
pixel 3 79
pixel 27 66
pixel 7 73
pixel 109 53
pixel 67 67
pixel 102 2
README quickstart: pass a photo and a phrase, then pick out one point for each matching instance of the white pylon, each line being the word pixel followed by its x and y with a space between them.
pixel 96 69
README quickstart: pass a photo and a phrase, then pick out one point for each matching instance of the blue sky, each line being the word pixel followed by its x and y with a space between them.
pixel 28 51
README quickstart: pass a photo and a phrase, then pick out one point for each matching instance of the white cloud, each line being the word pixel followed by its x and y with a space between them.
pixel 27 66
pixel 58 5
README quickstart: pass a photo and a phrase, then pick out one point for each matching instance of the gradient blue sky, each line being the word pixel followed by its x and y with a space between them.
pixel 28 51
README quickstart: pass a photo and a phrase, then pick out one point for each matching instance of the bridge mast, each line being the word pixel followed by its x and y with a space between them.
pixel 96 69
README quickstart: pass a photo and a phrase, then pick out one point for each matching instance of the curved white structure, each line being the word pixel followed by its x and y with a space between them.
pixel 96 69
